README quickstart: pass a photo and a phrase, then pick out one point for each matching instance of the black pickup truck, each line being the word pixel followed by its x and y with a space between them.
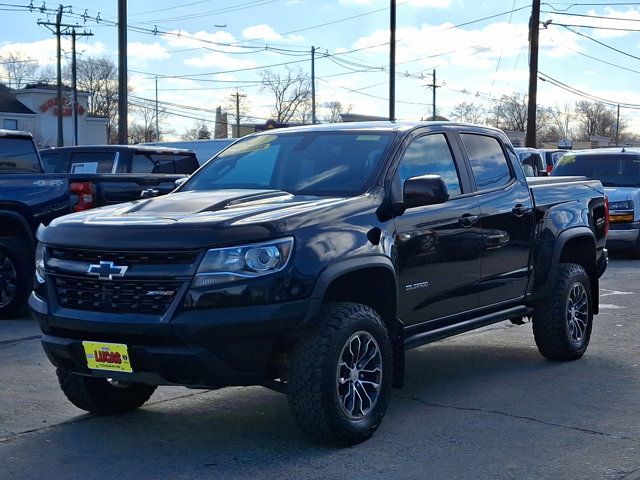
pixel 308 259
pixel 29 197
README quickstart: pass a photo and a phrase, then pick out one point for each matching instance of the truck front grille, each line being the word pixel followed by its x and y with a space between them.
pixel 125 258
pixel 115 296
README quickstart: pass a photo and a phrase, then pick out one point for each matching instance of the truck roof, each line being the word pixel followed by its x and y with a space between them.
pixel 15 134
pixel 379 126
pixel 136 148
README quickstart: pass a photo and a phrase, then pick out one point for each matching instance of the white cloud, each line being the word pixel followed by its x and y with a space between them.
pixel 260 32
pixel 426 44
pixel 267 32
pixel 44 51
pixel 141 53
pixel 220 60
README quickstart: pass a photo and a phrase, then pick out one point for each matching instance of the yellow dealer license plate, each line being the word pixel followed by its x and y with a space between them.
pixel 107 356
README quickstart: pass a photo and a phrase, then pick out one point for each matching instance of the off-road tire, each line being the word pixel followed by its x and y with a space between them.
pixel 551 319
pixel 99 397
pixel 313 380
pixel 16 255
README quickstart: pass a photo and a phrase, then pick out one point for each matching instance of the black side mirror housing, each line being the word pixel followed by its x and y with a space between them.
pixel 424 190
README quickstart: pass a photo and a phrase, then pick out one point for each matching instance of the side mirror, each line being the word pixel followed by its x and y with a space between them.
pixel 424 190
pixel 179 182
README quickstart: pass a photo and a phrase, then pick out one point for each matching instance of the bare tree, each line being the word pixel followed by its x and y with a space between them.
pixel 18 68
pixel 510 113
pixel 99 77
pixel 596 118
pixel 558 123
pixel 292 90
pixel 143 128
pixel 303 114
pixel 199 131
pixel 469 112
pixel 334 110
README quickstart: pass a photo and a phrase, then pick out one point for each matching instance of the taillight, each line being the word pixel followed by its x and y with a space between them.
pixel 606 215
pixel 85 191
pixel 549 168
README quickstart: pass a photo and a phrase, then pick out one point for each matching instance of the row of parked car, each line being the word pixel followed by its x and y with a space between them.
pixel 36 187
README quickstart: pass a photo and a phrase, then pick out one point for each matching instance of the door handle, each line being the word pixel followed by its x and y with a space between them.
pixel 496 241
pixel 519 210
pixel 467 220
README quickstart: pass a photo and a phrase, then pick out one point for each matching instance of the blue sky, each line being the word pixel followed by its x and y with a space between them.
pixel 202 51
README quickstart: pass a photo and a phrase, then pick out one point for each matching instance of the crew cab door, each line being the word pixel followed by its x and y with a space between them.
pixel 506 219
pixel 438 246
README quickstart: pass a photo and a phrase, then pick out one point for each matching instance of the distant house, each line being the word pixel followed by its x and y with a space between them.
pixel 34 109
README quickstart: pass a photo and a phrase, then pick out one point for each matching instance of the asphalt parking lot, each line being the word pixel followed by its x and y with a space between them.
pixel 484 405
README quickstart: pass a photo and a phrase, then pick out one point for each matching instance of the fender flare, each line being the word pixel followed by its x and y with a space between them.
pixel 24 225
pixel 563 238
pixel 338 269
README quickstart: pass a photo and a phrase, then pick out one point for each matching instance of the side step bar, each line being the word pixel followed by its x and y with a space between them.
pixel 456 328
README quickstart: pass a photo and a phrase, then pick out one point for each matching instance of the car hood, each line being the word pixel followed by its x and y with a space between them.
pixel 618 194
pixel 190 219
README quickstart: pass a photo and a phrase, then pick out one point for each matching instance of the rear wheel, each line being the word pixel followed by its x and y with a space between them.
pixel 16 275
pixel 340 377
pixel 101 396
pixel 562 324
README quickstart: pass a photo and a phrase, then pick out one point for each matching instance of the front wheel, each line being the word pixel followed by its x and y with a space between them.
pixel 562 325
pixel 101 396
pixel 340 377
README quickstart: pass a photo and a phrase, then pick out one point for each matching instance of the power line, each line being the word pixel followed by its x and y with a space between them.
pixel 599 42
pixel 575 91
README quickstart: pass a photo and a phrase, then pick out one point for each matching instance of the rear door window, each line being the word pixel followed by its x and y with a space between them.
pixel 488 161
pixel 91 162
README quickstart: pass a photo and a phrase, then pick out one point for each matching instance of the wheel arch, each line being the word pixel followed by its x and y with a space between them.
pixel 15 225
pixel 372 281
pixel 577 245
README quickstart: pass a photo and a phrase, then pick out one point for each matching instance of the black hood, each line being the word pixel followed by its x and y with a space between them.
pixel 187 220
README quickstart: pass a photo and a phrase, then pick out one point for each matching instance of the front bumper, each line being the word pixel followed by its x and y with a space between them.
pixel 624 235
pixel 209 348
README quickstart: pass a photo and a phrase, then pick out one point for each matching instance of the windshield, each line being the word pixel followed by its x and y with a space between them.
pixel 311 163
pixel 612 170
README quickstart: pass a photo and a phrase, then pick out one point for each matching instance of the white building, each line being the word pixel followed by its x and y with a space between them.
pixel 34 109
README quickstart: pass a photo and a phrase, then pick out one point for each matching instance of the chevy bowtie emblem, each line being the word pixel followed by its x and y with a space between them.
pixel 107 270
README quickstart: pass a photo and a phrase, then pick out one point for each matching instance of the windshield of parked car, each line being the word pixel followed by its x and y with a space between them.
pixel 306 163
pixel 613 170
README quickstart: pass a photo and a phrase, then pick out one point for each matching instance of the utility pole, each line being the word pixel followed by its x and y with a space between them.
pixel 60 140
pixel 237 96
pixel 313 85
pixel 74 80
pixel 534 30
pixel 392 61
pixel 157 121
pixel 123 137
pixel 69 30
pixel 433 86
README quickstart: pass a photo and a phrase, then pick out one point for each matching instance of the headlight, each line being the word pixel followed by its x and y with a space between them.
pixel 39 263
pixel 623 205
pixel 225 265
